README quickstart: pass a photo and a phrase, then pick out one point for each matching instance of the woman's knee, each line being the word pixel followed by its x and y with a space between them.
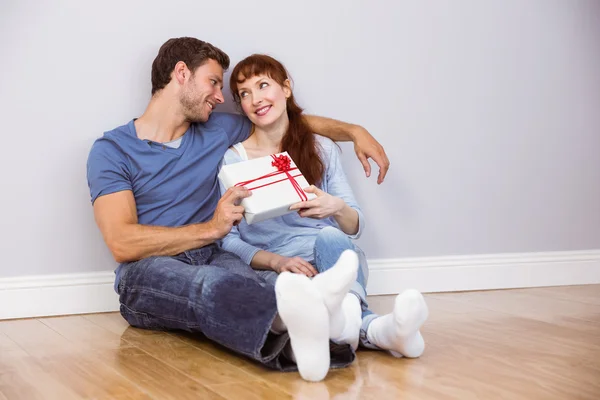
pixel 330 236
pixel 329 245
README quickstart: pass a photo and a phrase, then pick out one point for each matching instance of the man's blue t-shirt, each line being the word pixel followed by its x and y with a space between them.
pixel 172 186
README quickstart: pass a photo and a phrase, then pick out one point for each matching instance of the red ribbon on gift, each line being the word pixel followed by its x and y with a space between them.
pixel 283 164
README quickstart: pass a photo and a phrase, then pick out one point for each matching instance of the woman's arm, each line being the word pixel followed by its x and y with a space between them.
pixel 338 202
pixel 270 261
pixel 326 205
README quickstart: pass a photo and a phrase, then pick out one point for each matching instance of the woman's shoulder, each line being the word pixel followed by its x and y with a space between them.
pixel 326 146
pixel 234 154
pixel 323 141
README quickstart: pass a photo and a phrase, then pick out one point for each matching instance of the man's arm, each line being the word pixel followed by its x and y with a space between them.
pixel 116 216
pixel 365 145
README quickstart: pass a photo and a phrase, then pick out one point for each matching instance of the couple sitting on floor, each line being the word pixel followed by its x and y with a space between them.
pixel 289 292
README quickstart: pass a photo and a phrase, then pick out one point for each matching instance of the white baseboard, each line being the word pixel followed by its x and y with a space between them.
pixel 484 272
pixel 47 295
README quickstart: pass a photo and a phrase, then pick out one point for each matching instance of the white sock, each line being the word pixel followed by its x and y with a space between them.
pixel 353 320
pixel 301 308
pixel 398 331
pixel 333 285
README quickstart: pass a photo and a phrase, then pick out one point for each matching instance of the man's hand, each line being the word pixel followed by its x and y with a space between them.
pixel 296 265
pixel 325 205
pixel 228 212
pixel 367 147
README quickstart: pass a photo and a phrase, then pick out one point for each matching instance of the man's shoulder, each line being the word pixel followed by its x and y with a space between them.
pixel 119 133
pixel 113 139
pixel 222 120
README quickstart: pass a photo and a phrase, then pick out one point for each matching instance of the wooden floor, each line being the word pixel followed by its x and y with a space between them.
pixel 514 344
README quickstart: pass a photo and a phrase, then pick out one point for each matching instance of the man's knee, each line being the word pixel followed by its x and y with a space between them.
pixel 221 288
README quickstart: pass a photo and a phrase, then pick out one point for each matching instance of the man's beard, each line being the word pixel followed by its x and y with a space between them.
pixel 193 109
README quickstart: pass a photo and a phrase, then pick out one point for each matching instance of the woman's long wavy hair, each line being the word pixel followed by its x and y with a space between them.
pixel 299 140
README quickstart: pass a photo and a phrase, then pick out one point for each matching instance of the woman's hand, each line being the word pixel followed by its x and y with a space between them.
pixel 324 206
pixel 296 265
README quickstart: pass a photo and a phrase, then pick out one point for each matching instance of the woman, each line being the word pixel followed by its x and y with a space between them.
pixel 312 240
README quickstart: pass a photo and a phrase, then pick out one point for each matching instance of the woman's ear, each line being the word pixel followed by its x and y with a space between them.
pixel 287 88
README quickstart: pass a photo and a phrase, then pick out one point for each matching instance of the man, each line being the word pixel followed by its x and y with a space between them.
pixel 154 189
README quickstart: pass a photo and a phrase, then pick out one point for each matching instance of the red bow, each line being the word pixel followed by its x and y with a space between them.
pixel 281 162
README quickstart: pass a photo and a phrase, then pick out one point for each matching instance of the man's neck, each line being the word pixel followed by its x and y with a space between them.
pixel 162 121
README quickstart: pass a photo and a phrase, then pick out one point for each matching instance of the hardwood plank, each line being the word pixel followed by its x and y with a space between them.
pixel 558 359
pixel 9 347
pixel 154 376
pixel 63 355
pixel 432 377
pixel 589 294
pixel 132 396
pixel 190 360
pixel 512 365
pixel 83 333
pixel 169 348
pixel 254 390
pixel 36 338
pixel 90 378
pixel 22 378
pixel 575 315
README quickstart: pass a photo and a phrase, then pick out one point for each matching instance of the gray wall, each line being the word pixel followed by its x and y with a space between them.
pixel 489 112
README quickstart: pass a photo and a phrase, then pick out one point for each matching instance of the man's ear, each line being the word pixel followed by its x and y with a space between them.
pixel 287 88
pixel 181 72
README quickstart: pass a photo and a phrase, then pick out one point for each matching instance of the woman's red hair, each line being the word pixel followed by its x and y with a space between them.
pixel 299 140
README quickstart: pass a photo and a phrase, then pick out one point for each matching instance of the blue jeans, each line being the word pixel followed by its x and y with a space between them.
pixel 213 292
pixel 329 245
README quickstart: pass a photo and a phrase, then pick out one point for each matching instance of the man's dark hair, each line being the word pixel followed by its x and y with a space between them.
pixel 193 52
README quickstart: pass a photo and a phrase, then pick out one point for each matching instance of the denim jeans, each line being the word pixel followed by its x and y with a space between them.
pixel 212 292
pixel 329 245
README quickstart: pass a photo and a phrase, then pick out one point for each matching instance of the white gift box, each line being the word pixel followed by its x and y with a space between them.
pixel 274 187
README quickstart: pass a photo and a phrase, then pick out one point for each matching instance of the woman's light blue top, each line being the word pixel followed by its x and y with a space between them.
pixel 291 235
